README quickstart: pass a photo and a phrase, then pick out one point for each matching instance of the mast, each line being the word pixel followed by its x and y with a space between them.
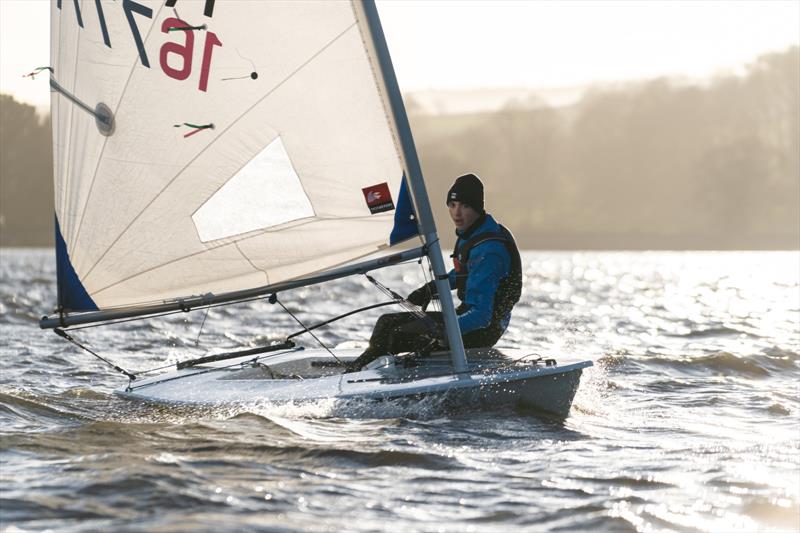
pixel 417 186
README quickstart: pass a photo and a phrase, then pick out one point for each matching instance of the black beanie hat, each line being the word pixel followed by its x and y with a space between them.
pixel 467 189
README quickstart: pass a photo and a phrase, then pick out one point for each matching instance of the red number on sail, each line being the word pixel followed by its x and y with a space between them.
pixel 208 49
pixel 184 50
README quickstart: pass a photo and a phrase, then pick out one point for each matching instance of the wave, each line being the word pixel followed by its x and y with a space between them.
pixel 720 331
pixel 768 363
pixel 633 482
pixel 728 363
pixel 21 409
pixel 761 364
pixel 393 458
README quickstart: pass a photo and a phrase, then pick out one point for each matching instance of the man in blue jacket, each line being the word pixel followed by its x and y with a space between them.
pixel 487 274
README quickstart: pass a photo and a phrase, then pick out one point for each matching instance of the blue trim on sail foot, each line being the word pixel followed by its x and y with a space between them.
pixel 72 295
pixel 405 220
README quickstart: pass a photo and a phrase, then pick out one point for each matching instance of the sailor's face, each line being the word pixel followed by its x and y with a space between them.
pixel 463 215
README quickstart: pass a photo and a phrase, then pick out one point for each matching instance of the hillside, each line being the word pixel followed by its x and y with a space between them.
pixel 661 164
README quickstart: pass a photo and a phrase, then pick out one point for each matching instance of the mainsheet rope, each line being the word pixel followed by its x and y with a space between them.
pixel 274 299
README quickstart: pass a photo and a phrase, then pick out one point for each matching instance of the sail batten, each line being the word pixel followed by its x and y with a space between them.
pixel 253 144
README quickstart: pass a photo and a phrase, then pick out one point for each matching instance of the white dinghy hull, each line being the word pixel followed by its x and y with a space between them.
pixel 494 379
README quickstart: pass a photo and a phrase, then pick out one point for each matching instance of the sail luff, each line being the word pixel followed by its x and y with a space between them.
pixel 417 185
pixel 192 302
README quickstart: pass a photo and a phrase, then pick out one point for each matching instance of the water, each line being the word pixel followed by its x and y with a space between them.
pixel 689 421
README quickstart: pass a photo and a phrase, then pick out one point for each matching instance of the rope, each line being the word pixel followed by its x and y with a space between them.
pixel 203 323
pixel 402 302
pixel 339 317
pixel 415 310
pixel 223 367
pixel 429 244
pixel 149 370
pixel 437 306
pixel 274 299
pixel 62 333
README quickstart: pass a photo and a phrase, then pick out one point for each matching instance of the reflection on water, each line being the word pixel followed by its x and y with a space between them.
pixel 688 421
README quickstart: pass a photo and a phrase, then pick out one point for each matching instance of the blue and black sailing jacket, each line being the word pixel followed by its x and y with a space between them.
pixel 487 274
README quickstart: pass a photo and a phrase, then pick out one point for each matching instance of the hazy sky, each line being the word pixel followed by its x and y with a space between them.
pixel 455 44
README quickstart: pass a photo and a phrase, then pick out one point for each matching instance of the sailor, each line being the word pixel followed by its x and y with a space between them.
pixel 487 275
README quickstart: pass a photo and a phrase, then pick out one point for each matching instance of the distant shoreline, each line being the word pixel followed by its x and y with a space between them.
pixel 654 165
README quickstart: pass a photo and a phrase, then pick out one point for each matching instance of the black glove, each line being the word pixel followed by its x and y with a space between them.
pixel 422 296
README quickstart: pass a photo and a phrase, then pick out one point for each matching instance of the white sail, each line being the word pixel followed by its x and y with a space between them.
pixel 251 143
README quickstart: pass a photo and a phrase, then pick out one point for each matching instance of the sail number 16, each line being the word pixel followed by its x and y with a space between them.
pixel 184 51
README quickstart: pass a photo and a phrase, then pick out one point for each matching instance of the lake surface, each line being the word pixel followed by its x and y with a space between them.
pixel 689 420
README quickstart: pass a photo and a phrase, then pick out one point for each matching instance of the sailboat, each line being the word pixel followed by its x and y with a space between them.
pixel 208 153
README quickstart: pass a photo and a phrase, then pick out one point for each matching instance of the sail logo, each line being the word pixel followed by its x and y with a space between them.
pixel 378 198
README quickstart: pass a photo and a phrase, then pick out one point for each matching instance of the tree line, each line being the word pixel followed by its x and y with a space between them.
pixel 661 164
pixel 26 176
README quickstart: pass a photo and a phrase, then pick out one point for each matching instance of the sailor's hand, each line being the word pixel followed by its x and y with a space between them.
pixel 420 297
